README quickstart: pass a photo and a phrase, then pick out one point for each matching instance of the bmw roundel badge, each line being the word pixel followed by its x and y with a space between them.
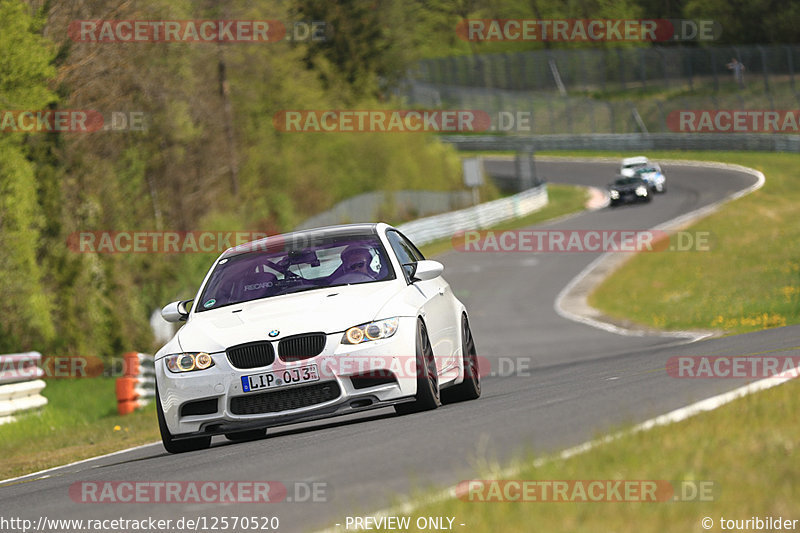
pixel 274 333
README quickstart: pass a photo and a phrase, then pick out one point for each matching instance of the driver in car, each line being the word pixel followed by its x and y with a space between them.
pixel 357 259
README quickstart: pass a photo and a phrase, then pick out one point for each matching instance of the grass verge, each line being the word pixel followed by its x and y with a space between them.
pixel 748 280
pixel 562 200
pixel 746 450
pixel 79 421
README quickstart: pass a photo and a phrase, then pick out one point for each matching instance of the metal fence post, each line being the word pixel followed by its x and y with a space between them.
pixel 763 55
pixel 603 69
pixel 521 71
pixel 611 117
pixel 689 70
pixel 568 112
pixel 714 69
pixel 642 71
pixel 585 87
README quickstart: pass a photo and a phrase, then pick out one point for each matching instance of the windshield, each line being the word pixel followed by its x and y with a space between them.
pixel 331 261
pixel 634 164
pixel 628 181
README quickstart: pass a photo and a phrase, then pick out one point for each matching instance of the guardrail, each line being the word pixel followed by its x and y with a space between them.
pixel 20 384
pixel 761 142
pixel 428 229
pixel 138 384
pixel 375 205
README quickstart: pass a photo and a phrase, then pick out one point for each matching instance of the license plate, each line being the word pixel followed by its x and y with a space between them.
pixel 289 376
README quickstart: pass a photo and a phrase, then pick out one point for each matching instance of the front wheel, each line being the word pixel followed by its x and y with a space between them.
pixel 178 446
pixel 470 388
pixel 427 397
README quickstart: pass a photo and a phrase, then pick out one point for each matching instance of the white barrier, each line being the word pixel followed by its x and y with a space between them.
pixel 20 386
pixel 428 229
pixel 20 367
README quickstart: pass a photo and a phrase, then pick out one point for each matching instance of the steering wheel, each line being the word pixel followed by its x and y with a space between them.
pixel 354 277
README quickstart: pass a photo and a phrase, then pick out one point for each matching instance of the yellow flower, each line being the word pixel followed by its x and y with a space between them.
pixel 789 292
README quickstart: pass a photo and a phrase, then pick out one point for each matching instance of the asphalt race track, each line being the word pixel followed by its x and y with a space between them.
pixel 565 383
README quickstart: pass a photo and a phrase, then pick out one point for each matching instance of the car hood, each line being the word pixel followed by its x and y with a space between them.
pixel 625 188
pixel 328 310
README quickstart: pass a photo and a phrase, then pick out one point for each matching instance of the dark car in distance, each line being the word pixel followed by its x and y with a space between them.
pixel 628 190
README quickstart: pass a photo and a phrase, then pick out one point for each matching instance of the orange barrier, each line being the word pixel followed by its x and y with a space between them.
pixel 138 383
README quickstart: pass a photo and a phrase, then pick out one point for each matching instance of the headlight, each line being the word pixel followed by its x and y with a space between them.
pixel 614 194
pixel 641 191
pixel 188 362
pixel 380 329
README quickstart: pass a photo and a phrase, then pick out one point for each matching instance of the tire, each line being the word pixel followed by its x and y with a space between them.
pixel 244 436
pixel 182 445
pixel 427 397
pixel 470 388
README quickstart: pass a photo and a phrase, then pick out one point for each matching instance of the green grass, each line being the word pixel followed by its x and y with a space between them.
pixel 562 200
pixel 747 448
pixel 748 280
pixel 79 421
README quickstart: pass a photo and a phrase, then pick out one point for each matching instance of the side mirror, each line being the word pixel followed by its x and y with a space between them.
pixel 176 311
pixel 426 270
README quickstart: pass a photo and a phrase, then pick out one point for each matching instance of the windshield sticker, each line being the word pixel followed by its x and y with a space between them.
pixel 209 303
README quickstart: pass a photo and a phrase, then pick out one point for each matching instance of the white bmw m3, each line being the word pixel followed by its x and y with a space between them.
pixel 308 325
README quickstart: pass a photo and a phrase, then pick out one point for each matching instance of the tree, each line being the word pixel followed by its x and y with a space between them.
pixel 24 71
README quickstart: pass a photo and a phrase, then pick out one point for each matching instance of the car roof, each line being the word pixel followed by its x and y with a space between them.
pixel 638 160
pixel 341 230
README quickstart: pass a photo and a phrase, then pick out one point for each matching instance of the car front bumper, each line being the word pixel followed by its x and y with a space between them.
pixel 207 401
